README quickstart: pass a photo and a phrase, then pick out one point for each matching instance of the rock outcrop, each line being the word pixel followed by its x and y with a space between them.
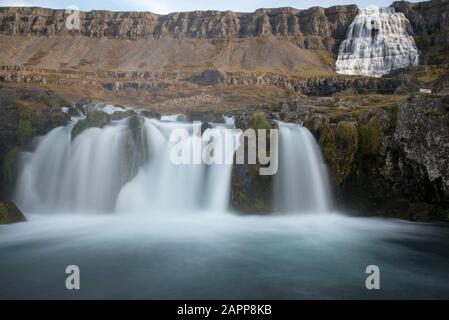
pixel 314 86
pixel 315 28
pixel 389 161
pixel 9 213
pixel 25 113
pixel 251 192
pixel 94 119
pixel 285 40
pixel 430 22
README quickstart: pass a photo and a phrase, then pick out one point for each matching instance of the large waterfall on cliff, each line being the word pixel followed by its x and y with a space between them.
pixel 378 41
pixel 302 182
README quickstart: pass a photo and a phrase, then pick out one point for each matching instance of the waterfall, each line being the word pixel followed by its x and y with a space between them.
pixel 164 186
pixel 301 184
pixel 106 170
pixel 126 167
pixel 82 175
pixel 378 41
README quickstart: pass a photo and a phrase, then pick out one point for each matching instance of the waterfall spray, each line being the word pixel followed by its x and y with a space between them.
pixel 301 184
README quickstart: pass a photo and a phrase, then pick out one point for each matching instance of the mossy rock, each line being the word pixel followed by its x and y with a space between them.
pixel 94 119
pixel 370 137
pixel 259 121
pixel 9 213
pixel 339 144
pixel 9 166
pixel 251 192
pixel 25 131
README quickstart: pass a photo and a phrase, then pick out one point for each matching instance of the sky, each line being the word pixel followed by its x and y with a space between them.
pixel 167 6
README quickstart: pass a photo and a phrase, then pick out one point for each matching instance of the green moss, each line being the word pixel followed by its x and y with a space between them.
pixel 259 121
pixel 57 102
pixel 370 137
pixel 28 110
pixel 327 142
pixel 340 144
pixel 9 213
pixel 430 75
pixel 262 40
pixel 36 58
pixel 25 132
pixel 392 112
pixel 94 119
pixel 347 133
pixel 4 216
pixel 435 113
pixel 9 165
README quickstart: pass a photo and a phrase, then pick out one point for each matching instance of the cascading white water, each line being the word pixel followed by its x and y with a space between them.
pixel 378 41
pixel 92 173
pixel 301 184
pixel 82 175
pixel 127 167
pixel 162 185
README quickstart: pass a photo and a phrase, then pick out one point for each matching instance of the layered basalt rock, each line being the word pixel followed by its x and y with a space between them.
pixel 314 86
pixel 315 28
pixel 430 22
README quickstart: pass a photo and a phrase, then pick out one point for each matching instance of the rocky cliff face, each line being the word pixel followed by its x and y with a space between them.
pixel 25 113
pixel 283 40
pixel 389 160
pixel 430 22
pixel 392 160
pixel 313 28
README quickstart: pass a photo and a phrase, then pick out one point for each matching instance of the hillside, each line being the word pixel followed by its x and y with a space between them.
pixel 284 40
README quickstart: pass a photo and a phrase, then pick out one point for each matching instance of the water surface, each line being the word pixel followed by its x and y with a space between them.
pixel 222 256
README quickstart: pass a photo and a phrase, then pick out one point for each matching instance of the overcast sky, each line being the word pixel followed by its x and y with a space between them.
pixel 166 6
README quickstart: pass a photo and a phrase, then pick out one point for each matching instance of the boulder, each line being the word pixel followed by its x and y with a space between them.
pixel 94 119
pixel 9 213
pixel 150 114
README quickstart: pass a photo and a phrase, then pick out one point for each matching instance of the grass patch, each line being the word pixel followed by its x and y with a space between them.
pixel 9 165
pixel 262 40
pixel 25 131
pixel 36 58
pixel 370 137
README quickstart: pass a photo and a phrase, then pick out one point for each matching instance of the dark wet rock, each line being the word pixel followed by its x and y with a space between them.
pixel 74 112
pixel 208 77
pixel 150 114
pixel 251 192
pixel 81 103
pixel 119 115
pixel 137 147
pixel 422 133
pixel 50 119
pixel 94 119
pixel 9 213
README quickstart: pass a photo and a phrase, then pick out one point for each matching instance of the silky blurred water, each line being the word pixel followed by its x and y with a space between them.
pixel 208 255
